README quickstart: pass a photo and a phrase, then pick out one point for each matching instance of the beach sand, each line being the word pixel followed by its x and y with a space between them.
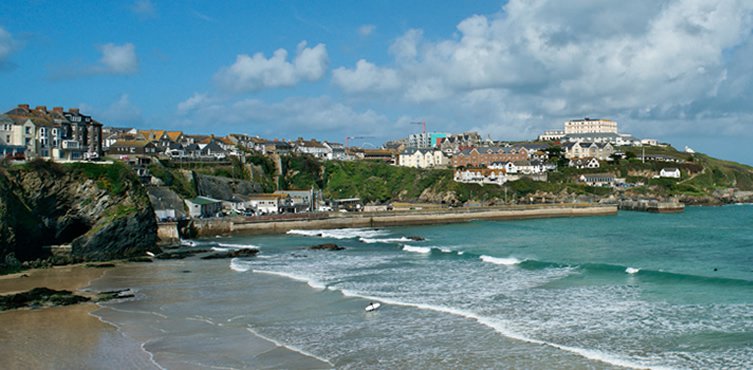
pixel 62 337
pixel 71 337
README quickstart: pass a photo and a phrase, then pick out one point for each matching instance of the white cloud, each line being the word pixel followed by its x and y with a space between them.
pixel 121 112
pixel 117 59
pixel 366 30
pixel 144 9
pixel 537 63
pixel 365 77
pixel 256 72
pixel 7 46
pixel 195 101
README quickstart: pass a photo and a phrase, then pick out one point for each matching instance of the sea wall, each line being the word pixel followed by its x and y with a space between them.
pixel 167 232
pixel 381 219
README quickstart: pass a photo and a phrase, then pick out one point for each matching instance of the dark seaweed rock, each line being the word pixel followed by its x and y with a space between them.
pixel 246 252
pixel 40 297
pixel 174 255
pixel 115 294
pixel 100 265
pixel 140 259
pixel 415 238
pixel 326 247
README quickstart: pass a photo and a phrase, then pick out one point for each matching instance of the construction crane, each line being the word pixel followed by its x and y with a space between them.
pixel 355 137
pixel 422 123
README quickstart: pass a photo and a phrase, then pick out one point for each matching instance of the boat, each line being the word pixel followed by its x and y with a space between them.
pixel 373 306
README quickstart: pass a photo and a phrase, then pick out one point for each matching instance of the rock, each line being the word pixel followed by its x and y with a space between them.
pixel 100 265
pixel 246 252
pixel 174 255
pixel 115 294
pixel 326 246
pixel 40 297
pixel 102 211
pixel 140 259
pixel 415 238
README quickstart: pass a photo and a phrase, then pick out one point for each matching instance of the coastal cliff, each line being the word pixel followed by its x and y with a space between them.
pixel 99 210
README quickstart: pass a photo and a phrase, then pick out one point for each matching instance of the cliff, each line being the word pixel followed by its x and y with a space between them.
pixel 100 210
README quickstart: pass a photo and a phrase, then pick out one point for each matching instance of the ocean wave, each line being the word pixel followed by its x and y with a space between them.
pixel 632 270
pixel 401 239
pixel 218 249
pixel 311 282
pixel 509 261
pixel 238 246
pixel 339 233
pixel 412 249
pixel 239 265
pixel 290 347
pixel 499 327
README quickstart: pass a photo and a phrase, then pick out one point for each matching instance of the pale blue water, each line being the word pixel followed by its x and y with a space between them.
pixel 553 293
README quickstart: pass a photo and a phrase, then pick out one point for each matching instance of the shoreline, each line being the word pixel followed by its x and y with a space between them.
pixel 212 227
pixel 45 338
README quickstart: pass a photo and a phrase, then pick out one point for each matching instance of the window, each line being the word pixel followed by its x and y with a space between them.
pixel 28 130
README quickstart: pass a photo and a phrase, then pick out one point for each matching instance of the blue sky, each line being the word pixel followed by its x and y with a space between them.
pixel 675 70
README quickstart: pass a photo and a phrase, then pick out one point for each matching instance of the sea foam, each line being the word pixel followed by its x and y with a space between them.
pixel 239 265
pixel 412 249
pixel 311 282
pixel 509 261
pixel 238 246
pixel 339 233
pixel 632 270
pixel 385 240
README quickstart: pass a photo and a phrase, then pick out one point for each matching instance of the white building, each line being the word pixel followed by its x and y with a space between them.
pixel 672 173
pixel 589 125
pixel 587 162
pixel 423 158
pixel 551 135
pixel 584 149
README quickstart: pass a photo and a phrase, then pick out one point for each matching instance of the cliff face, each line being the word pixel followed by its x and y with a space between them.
pixel 100 210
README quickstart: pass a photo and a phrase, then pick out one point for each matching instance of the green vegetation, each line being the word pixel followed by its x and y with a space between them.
pixel 174 179
pixel 377 182
pixel 115 178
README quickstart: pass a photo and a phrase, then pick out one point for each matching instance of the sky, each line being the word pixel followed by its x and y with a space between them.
pixel 678 71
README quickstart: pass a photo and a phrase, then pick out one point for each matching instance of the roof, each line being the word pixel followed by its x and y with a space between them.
pixel 495 150
pixel 131 143
pixel 203 200
pixel 597 175
pixel 267 196
pixel 592 134
pixel 174 135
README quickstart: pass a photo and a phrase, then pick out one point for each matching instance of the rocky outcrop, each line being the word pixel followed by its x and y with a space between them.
pixel 247 252
pixel 326 247
pixel 97 211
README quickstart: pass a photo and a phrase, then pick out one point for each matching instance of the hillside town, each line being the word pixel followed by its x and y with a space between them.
pixel 62 135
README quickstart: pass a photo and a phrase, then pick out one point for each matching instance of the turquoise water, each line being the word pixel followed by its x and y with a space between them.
pixel 632 290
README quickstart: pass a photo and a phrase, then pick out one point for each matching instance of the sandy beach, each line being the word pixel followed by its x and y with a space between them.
pixel 62 337
pixel 73 337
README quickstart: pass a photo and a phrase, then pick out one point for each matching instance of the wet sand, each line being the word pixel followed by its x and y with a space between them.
pixel 73 337
pixel 62 337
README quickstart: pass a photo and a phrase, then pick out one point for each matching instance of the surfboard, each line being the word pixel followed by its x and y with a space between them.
pixel 373 307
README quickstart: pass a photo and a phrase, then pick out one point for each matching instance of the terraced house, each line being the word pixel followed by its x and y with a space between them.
pixel 56 134
pixel 484 156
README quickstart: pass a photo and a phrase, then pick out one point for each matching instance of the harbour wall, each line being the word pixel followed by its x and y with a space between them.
pixel 211 227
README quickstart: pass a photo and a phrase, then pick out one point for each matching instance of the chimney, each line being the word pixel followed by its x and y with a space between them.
pixel 57 109
pixel 24 106
pixel 73 110
pixel 41 108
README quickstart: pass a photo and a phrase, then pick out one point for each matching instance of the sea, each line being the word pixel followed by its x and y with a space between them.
pixel 632 290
